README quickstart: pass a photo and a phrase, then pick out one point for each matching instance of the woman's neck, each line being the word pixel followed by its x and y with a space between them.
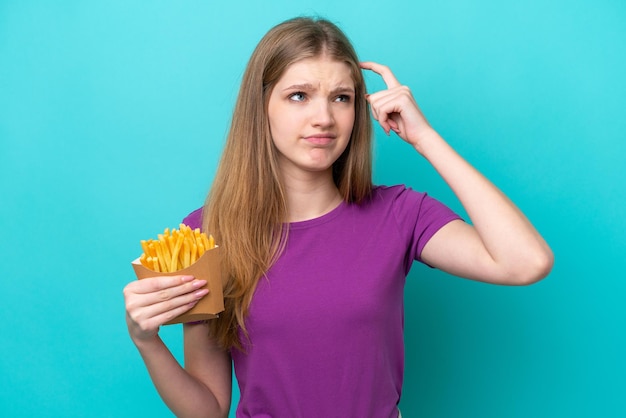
pixel 309 197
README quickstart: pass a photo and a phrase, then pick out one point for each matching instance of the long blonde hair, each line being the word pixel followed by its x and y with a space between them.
pixel 246 209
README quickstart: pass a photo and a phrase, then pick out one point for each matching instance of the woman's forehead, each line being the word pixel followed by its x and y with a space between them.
pixel 317 70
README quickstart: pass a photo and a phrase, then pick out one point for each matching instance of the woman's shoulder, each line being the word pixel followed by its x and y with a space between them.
pixel 395 198
pixel 394 192
pixel 403 198
pixel 389 189
pixel 194 219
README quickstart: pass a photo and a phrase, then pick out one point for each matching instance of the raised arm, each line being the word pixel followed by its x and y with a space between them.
pixel 500 245
pixel 203 387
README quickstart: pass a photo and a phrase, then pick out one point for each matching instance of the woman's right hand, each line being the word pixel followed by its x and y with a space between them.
pixel 151 302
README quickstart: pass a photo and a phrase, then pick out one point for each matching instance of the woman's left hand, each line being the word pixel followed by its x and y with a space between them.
pixel 396 109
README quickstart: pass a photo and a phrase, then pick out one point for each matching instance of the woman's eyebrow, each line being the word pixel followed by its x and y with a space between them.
pixel 305 86
pixel 310 87
pixel 343 89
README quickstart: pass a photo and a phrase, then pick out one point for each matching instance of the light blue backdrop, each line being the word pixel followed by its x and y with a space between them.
pixel 112 117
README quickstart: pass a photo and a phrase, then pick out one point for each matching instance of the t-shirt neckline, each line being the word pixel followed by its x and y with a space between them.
pixel 327 217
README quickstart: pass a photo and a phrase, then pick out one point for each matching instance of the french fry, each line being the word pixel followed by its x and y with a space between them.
pixel 201 248
pixel 167 255
pixel 177 246
pixel 151 250
pixel 144 247
pixel 160 255
pixel 175 249
pixel 186 255
pixel 171 244
pixel 144 260
pixel 154 263
pixel 205 242
pixel 194 253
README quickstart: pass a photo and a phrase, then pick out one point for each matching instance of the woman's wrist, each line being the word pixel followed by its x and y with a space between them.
pixel 427 142
pixel 144 345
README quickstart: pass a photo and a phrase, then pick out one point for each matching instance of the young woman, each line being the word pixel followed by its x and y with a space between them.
pixel 317 255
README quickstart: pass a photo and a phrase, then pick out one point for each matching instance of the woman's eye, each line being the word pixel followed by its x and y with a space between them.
pixel 297 97
pixel 343 98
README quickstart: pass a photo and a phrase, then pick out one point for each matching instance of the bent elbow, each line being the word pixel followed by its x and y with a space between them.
pixel 537 269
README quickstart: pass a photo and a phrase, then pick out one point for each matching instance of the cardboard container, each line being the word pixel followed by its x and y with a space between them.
pixel 206 268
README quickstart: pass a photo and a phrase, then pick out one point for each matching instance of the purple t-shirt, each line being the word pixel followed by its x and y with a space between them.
pixel 326 323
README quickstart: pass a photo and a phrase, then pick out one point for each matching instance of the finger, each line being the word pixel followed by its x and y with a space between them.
pixel 385 105
pixel 374 112
pixel 148 320
pixel 169 315
pixel 142 307
pixel 383 71
pixel 159 283
pixel 174 292
pixel 170 307
pixel 394 125
pixel 138 297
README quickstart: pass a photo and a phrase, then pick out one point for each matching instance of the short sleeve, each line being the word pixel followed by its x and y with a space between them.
pixel 421 216
pixel 194 219
pixel 432 216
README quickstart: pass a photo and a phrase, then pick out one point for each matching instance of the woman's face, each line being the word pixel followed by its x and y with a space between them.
pixel 311 114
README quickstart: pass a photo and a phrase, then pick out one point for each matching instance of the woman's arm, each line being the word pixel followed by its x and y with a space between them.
pixel 500 246
pixel 203 387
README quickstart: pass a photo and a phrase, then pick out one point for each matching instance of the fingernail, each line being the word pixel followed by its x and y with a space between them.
pixel 201 293
pixel 185 279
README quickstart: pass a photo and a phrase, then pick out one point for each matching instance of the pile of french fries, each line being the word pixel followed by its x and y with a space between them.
pixel 176 249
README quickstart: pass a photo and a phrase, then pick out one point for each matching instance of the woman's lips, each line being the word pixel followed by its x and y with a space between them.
pixel 321 139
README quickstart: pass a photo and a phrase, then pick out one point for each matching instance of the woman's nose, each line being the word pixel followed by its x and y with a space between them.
pixel 322 114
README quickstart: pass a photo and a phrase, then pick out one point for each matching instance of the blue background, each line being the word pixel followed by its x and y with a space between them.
pixel 112 119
